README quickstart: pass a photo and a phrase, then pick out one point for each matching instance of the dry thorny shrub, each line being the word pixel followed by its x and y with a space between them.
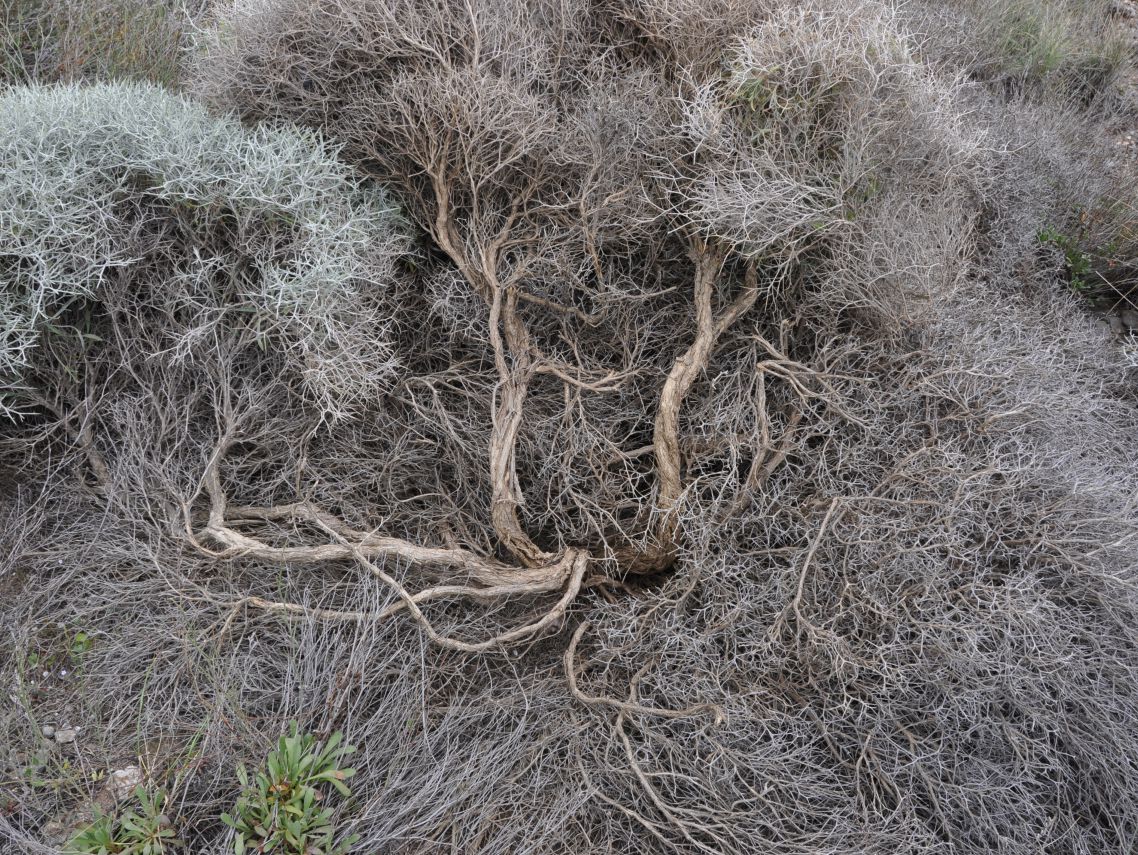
pixel 745 484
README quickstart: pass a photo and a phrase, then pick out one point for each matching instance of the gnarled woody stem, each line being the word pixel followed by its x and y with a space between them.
pixel 458 562
pixel 487 579
pixel 708 258
pixel 567 573
pixel 351 544
pixel 513 360
pixel 513 387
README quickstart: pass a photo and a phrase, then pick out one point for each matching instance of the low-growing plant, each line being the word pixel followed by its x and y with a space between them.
pixel 96 839
pixel 146 831
pixel 45 770
pixel 49 40
pixel 1080 266
pixel 1098 253
pixel 283 806
pixel 1070 47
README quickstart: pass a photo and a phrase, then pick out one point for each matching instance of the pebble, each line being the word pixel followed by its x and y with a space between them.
pixel 123 781
pixel 48 731
pixel 63 737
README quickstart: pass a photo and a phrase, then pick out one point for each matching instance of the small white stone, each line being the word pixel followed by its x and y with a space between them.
pixel 123 781
pixel 48 731
pixel 68 734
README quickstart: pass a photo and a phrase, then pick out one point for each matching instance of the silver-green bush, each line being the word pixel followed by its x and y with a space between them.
pixel 126 199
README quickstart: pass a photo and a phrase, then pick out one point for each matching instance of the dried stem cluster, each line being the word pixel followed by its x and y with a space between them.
pixel 709 382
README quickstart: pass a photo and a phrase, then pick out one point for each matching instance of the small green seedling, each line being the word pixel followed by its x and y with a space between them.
pixel 1080 264
pixel 81 643
pixel 96 839
pixel 281 808
pixel 143 832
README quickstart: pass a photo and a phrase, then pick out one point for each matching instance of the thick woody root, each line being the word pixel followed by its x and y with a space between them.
pixel 483 578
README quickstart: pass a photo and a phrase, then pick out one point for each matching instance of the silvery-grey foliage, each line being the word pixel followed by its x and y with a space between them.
pixel 127 199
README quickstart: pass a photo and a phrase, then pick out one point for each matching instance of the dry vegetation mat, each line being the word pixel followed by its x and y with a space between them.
pixel 633 425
